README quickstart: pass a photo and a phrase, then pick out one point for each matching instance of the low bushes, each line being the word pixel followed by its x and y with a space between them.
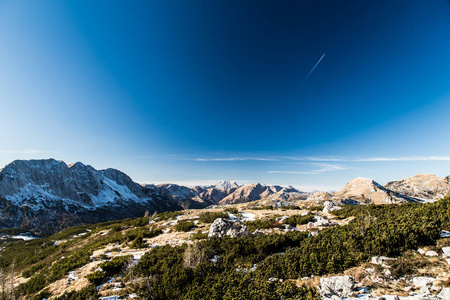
pixel 184 226
pixel 298 220
pixel 209 217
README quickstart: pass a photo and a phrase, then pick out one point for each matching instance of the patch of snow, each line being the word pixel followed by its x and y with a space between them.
pixel 23 237
pixel 445 234
pixel 247 216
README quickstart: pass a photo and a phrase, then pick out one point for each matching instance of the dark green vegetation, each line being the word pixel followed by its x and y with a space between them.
pixel 187 272
pixel 168 215
pixel 46 262
pixel 110 268
pixel 170 277
pixel 184 226
pixel 388 230
pixel 209 217
pixel 85 294
pixel 298 220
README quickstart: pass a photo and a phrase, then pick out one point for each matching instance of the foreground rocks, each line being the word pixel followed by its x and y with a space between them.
pixel 341 286
pixel 225 227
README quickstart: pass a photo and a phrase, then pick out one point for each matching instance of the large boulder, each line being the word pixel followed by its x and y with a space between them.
pixel 341 286
pixel 225 227
pixel 330 206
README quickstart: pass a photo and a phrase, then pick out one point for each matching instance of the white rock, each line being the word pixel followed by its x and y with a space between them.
pixel 330 206
pixel 222 227
pixel 341 286
pixel 425 290
pixel 446 251
pixel 391 297
pixel 448 261
pixel 445 293
pixel 381 260
pixel 431 253
pixel 421 251
pixel 422 281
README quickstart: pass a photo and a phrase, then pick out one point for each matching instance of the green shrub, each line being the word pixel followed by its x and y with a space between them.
pixel 199 236
pixel 139 222
pixel 87 293
pixel 290 207
pixel 267 207
pixel 137 243
pixel 316 208
pixel 209 217
pixel 142 232
pixel 96 278
pixel 33 285
pixel 115 266
pixel 298 220
pixel 231 210
pixel 184 226
pixel 168 215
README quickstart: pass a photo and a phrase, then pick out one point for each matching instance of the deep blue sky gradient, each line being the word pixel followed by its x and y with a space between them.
pixel 199 91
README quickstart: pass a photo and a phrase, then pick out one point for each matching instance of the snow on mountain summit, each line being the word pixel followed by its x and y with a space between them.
pixel 226 185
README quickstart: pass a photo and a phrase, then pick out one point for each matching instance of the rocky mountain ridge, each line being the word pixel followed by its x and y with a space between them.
pixel 47 195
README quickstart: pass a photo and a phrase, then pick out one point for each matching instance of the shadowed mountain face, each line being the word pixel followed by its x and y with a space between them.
pixel 44 196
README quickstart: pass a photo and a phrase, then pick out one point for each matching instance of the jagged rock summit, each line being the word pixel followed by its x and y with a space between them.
pixel 45 196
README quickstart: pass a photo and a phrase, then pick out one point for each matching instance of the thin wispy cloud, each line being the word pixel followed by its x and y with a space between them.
pixel 378 159
pixel 236 159
pixel 302 159
pixel 322 168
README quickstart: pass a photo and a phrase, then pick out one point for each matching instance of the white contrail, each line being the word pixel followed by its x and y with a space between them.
pixel 312 70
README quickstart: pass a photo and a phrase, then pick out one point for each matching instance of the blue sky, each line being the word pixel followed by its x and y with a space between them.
pixel 199 91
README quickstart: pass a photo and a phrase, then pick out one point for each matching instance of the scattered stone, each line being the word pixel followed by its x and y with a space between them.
pixel 330 206
pixel 381 260
pixel 341 286
pixel 431 253
pixel 224 227
pixel 390 297
pixel 319 221
pixel 281 219
pixel 422 281
pixel 446 251
pixel 445 293
pixel 445 234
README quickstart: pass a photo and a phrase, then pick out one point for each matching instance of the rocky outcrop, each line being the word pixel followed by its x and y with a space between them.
pixel 340 286
pixel 225 227
pixel 330 206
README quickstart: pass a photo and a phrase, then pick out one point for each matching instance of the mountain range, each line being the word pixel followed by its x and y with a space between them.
pixel 45 196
